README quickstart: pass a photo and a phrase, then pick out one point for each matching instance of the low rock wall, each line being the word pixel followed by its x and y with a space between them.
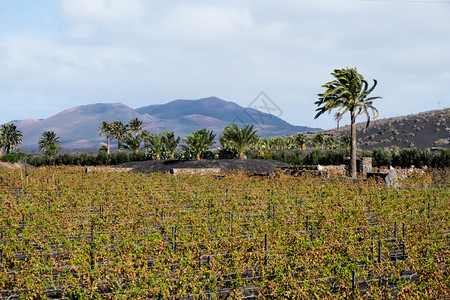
pixel 202 171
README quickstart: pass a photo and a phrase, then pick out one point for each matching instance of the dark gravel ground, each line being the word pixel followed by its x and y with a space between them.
pixel 258 166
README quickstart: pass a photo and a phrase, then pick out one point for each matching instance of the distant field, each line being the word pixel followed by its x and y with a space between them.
pixel 67 234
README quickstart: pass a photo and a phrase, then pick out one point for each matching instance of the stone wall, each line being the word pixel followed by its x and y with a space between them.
pixel 201 171
pixel 335 171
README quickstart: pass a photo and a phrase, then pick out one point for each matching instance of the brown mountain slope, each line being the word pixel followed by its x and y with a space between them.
pixel 424 130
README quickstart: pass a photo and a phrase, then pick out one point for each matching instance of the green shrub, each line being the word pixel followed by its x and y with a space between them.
pixel 12 157
pixel 227 152
pixel 381 157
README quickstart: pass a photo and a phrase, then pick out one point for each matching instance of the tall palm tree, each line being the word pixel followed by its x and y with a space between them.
pixel 348 93
pixel 107 130
pixel 199 140
pixel 118 131
pixel 10 137
pixel 171 142
pixel 337 118
pixel 240 138
pixel 134 126
pixel 301 140
pixel 49 142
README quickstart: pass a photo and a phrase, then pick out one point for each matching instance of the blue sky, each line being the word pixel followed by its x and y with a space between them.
pixel 56 54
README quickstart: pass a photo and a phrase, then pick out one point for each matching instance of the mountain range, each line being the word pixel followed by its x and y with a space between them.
pixel 78 126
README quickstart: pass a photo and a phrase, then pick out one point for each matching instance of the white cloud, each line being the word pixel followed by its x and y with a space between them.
pixel 102 10
pixel 142 52
pixel 207 22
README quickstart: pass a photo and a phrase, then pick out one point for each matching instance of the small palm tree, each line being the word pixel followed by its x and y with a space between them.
pixel 132 143
pixel 240 138
pixel 156 144
pixel 107 130
pixel 318 141
pixel 279 143
pixel 171 143
pixel 330 142
pixel 291 143
pixel 134 126
pixel 198 141
pixel 348 93
pixel 10 137
pixel 301 140
pixel 346 142
pixel 265 143
pixel 118 131
pixel 49 142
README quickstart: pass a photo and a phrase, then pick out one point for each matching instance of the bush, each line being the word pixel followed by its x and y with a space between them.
pixel 441 160
pixel 227 152
pixel 381 157
pixel 12 157
pixel 188 154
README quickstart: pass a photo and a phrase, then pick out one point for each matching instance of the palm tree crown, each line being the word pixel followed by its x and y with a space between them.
pixel 240 138
pixel 348 93
pixel 49 143
pixel 10 137
pixel 118 130
pixel 135 126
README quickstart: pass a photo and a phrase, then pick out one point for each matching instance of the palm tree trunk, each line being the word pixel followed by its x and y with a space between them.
pixel 241 155
pixel 198 157
pixel 353 146
pixel 107 145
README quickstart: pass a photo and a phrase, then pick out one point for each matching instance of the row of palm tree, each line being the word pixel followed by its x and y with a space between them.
pixel 131 135
pixel 300 141
pixel 11 138
pixel 239 139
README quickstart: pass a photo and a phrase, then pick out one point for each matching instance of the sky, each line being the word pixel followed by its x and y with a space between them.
pixel 57 54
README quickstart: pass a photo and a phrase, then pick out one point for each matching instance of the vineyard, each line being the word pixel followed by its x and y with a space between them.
pixel 75 235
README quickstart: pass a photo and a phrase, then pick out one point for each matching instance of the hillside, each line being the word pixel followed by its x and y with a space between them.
pixel 424 130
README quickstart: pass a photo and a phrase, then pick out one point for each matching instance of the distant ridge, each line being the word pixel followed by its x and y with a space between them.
pixel 78 126
pixel 424 130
